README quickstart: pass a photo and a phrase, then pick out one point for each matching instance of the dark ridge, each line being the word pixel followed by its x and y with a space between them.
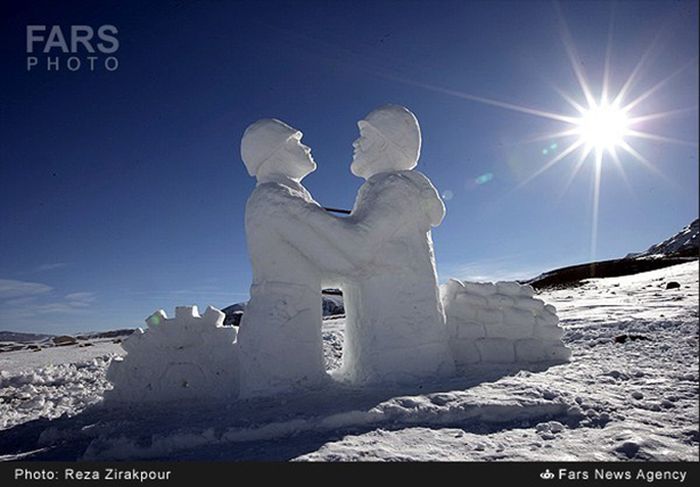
pixel 606 268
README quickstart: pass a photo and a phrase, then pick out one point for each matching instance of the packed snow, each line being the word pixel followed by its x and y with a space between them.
pixel 188 356
pixel 381 256
pixel 501 323
pixel 629 392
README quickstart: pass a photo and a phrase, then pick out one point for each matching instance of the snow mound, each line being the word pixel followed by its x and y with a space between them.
pixel 51 391
pixel 501 323
pixel 189 356
pixel 485 408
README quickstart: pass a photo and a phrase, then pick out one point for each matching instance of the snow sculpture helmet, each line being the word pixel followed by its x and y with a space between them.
pixel 390 140
pixel 265 138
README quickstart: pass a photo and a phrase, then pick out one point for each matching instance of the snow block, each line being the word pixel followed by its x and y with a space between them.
pixel 500 301
pixel 470 330
pixel 546 332
pixel 508 288
pixel 462 311
pixel 480 288
pixel 156 318
pixel 465 352
pixel 453 287
pixel 214 316
pixel 472 300
pixel 511 332
pixel 186 312
pixel 489 316
pixel 496 350
pixel 547 319
pixel 530 350
pixel 532 304
pixel 527 291
pixel 132 341
pixel 518 317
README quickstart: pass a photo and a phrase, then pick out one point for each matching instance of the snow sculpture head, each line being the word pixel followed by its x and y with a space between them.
pixel 389 141
pixel 270 147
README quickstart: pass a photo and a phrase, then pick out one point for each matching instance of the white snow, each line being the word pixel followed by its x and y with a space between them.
pixel 381 256
pixel 188 356
pixel 501 323
pixel 685 240
pixel 618 399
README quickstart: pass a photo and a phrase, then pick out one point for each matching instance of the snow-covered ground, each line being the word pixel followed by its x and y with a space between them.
pixel 629 392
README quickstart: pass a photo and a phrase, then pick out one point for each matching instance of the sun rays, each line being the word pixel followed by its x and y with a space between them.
pixel 604 124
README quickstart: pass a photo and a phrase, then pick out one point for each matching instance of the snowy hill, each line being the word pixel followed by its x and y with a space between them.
pixel 683 244
pixel 680 248
pixel 629 393
pixel 19 337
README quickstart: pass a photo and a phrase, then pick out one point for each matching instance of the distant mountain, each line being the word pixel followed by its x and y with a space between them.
pixel 685 243
pixel 92 335
pixel 680 248
pixel 332 303
pixel 19 337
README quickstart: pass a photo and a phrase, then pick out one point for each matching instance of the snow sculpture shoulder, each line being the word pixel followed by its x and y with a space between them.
pixel 395 328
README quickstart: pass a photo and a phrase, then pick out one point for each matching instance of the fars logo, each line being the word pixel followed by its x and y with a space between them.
pixel 79 47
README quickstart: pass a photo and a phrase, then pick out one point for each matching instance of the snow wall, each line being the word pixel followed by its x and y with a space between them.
pixel 501 323
pixel 185 357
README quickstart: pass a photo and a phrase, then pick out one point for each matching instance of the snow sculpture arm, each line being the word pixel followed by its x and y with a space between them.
pixel 344 245
pixel 384 205
pixel 330 242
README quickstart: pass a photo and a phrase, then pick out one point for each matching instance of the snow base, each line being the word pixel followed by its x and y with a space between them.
pixel 501 323
pixel 189 356
pixel 632 400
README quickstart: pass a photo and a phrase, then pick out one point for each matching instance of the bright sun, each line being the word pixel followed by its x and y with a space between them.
pixel 598 126
pixel 602 127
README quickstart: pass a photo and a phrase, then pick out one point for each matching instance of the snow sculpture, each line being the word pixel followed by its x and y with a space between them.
pixel 382 258
pixel 501 323
pixel 186 357
pixel 290 239
pixel 395 325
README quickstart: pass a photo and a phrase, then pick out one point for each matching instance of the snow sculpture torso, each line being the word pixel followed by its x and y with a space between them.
pixel 395 323
pixel 395 326
pixel 280 333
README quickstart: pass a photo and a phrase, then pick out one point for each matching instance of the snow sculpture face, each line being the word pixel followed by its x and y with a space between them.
pixel 272 148
pixel 389 140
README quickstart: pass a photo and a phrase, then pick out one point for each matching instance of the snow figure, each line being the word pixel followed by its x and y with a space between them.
pixel 395 325
pixel 186 357
pixel 501 323
pixel 280 340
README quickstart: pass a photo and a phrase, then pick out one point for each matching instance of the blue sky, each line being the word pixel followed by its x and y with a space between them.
pixel 123 192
